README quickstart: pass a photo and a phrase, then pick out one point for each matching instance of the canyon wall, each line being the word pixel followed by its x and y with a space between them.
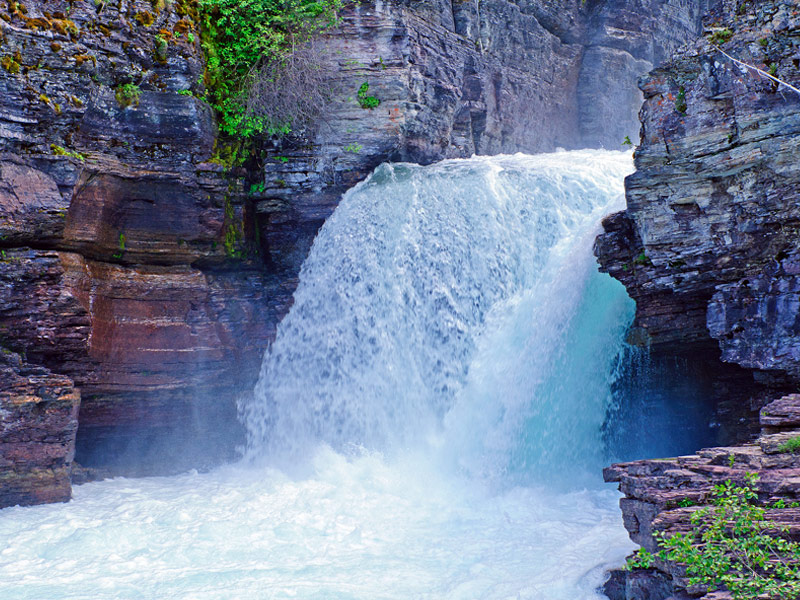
pixel 708 244
pixel 708 247
pixel 143 276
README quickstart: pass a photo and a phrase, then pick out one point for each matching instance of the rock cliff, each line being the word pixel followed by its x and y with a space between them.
pixel 708 244
pixel 114 270
pixel 144 273
pixel 459 77
pixel 708 248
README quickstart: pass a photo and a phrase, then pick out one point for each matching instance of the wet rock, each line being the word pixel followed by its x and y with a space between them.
pixel 660 495
pixel 707 245
pixel 38 421
pixel 780 414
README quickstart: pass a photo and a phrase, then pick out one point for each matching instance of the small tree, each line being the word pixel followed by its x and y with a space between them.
pixel 290 93
pixel 264 73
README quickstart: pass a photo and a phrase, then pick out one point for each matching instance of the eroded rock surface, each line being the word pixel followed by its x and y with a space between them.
pixel 708 246
pixel 113 227
pixel 660 495
pixel 38 421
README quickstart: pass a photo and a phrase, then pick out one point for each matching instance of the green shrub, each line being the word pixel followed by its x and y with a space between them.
pixel 729 548
pixel 250 42
pixel 127 94
pixel 720 37
pixel 364 99
pixel 680 101
pixel 791 445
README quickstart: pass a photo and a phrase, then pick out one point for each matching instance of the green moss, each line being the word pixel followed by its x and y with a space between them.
pixel 229 155
pixel 144 18
pixel 233 233
pixel 160 49
pixel 791 445
pixel 9 64
pixel 127 94
pixel 60 151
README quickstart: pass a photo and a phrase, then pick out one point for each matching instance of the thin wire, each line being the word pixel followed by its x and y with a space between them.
pixel 744 64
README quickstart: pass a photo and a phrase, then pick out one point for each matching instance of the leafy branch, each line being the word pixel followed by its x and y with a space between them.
pixel 730 547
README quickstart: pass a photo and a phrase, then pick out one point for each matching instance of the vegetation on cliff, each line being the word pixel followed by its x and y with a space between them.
pixel 263 73
pixel 733 546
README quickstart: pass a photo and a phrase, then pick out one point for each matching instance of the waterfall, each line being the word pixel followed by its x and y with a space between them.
pixel 454 306
pixel 429 422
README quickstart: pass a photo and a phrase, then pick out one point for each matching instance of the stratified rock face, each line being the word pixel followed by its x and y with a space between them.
pixel 115 270
pixel 661 495
pixel 38 421
pixel 708 246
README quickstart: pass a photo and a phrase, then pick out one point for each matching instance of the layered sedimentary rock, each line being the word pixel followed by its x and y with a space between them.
pixel 456 78
pixel 139 266
pixel 661 495
pixel 708 246
pixel 38 420
pixel 115 269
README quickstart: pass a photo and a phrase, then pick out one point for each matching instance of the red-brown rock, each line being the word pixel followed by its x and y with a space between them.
pixel 38 421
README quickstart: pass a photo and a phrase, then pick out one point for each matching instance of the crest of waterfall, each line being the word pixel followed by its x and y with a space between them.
pixel 455 305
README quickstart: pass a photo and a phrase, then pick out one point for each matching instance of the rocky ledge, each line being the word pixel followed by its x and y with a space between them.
pixel 661 495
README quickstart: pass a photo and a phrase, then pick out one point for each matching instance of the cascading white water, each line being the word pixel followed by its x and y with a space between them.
pixel 430 415
pixel 454 302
